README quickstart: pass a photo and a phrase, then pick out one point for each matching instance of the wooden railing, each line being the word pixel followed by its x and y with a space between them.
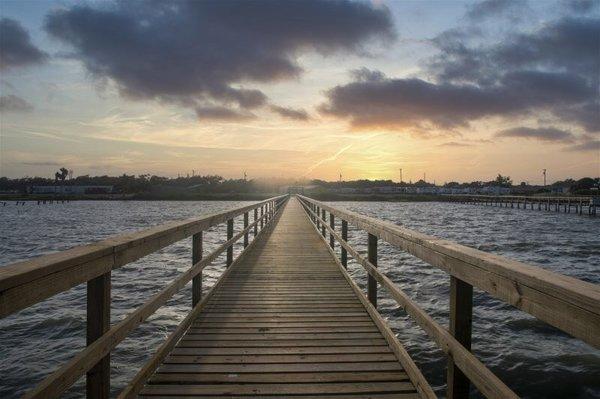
pixel 26 283
pixel 564 302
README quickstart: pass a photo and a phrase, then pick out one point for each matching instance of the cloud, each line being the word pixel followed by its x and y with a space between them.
pixel 195 53
pixel 580 6
pixel 551 70
pixel 401 103
pixel 217 113
pixel 455 144
pixel 16 49
pixel 12 103
pixel 290 113
pixel 585 146
pixel 492 8
pixel 543 133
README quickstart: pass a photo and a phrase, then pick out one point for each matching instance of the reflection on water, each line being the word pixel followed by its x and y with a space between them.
pixel 532 358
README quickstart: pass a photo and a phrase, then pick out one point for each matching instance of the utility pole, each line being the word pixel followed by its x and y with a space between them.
pixel 424 177
pixel 544 173
pixel 245 176
pixel 400 175
pixel 340 177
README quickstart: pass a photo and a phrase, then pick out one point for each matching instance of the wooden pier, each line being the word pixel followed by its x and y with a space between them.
pixel 579 205
pixel 285 319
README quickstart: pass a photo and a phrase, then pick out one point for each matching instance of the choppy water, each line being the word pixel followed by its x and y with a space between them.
pixel 535 360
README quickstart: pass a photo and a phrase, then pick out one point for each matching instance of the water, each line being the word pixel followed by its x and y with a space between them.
pixel 533 358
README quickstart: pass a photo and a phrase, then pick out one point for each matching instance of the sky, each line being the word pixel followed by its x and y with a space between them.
pixel 449 90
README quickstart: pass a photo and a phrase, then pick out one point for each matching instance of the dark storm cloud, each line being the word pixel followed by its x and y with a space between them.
pixel 553 69
pixel 397 103
pixel 191 52
pixel 12 103
pixel 543 133
pixel 16 48
pixel 218 113
pixel 569 44
pixel 492 8
pixel 580 6
pixel 290 113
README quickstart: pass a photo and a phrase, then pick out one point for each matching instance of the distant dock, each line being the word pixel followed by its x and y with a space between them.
pixel 580 205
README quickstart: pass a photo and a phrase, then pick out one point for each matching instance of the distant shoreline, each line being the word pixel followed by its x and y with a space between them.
pixel 223 197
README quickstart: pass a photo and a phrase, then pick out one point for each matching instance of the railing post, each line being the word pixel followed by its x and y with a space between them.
pixel 262 219
pixel 317 213
pixel 332 225
pixel 98 322
pixel 229 237
pixel 245 227
pixel 345 238
pixel 461 316
pixel 372 256
pixel 196 257
pixel 324 217
pixel 255 224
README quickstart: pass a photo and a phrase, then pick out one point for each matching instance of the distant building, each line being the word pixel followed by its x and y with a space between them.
pixel 71 190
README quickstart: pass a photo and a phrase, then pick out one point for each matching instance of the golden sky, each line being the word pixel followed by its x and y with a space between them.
pixel 370 111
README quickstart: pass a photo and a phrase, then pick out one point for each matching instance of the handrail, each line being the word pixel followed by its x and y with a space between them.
pixel 567 303
pixel 123 249
pixel 25 283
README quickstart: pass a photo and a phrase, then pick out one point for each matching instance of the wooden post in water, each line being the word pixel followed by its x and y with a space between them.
pixel 245 227
pixel 461 317
pixel 229 237
pixel 345 238
pixel 98 322
pixel 196 257
pixel 372 257
pixel 255 224
pixel 332 225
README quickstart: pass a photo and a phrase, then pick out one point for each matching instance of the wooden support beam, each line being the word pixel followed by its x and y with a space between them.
pixel 98 322
pixel 245 226
pixel 344 257
pixel 332 225
pixel 372 257
pixel 325 221
pixel 196 257
pixel 229 237
pixel 255 219
pixel 461 317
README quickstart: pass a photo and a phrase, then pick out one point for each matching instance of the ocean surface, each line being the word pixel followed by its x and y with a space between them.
pixel 534 359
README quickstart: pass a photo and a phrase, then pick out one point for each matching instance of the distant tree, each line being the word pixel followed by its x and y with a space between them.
pixel 61 174
pixel 503 181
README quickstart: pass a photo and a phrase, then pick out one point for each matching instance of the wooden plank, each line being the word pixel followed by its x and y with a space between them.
pixel 314 378
pixel 279 367
pixel 264 359
pixel 317 350
pixel 281 343
pixel 277 389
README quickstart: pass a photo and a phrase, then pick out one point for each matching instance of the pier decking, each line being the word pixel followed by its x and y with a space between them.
pixel 285 319
pixel 284 322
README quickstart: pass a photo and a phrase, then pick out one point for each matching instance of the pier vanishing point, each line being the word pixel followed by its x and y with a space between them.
pixel 285 319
